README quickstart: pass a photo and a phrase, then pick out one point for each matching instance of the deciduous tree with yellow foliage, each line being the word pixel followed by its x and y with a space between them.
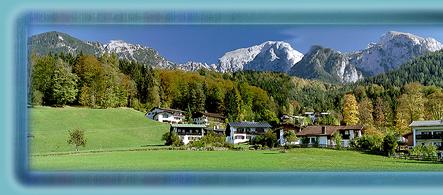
pixel 350 110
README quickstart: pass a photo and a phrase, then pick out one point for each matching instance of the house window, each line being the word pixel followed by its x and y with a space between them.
pixel 239 137
pixel 312 140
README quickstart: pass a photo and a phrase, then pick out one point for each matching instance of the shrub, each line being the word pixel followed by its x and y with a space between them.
pixel 171 139
pixel 389 144
pixel 77 138
pixel 337 139
pixel 304 140
pixel 425 151
pixel 37 97
pixel 371 143
pixel 197 144
pixel 268 139
pixel 213 139
pixel 257 140
pixel 290 137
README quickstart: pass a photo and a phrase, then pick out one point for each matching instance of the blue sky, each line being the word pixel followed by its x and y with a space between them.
pixel 206 43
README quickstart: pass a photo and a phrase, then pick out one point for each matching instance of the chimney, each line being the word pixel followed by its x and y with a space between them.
pixel 323 130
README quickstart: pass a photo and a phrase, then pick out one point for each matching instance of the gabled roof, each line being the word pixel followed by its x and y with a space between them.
pixel 250 124
pixel 426 123
pixel 318 129
pixel 209 114
pixel 167 109
pixel 189 125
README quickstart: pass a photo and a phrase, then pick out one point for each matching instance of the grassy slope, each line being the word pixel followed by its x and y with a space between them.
pixel 104 128
pixel 304 159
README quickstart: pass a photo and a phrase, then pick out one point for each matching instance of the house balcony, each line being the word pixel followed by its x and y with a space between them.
pixel 249 132
pixel 187 133
pixel 427 136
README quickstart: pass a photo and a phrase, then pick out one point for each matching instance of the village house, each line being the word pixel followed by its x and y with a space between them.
pixel 323 133
pixel 188 132
pixel 426 133
pixel 240 132
pixel 167 115
pixel 211 120
pixel 286 127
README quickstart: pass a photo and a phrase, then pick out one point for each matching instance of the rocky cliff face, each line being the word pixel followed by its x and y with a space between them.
pixel 325 64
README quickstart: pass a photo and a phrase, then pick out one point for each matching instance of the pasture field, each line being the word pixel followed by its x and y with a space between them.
pixel 299 159
pixel 104 128
pixel 123 139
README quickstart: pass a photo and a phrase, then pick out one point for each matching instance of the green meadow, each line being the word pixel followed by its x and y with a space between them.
pixel 302 159
pixel 112 133
pixel 104 128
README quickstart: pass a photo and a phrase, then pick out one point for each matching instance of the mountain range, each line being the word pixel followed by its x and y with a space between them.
pixel 392 50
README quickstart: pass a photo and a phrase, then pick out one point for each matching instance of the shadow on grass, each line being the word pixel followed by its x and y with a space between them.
pixel 271 153
pixel 420 162
pixel 151 145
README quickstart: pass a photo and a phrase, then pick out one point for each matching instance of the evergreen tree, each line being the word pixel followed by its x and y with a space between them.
pixel 232 105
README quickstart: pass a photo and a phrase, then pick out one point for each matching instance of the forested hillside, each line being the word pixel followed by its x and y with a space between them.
pixel 389 101
pixel 427 70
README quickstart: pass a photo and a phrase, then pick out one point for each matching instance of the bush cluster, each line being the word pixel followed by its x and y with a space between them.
pixel 424 151
pixel 268 139
pixel 376 144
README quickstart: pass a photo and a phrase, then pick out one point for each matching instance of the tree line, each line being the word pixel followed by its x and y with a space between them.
pixel 106 81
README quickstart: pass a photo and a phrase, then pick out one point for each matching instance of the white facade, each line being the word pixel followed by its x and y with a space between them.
pixel 428 135
pixel 244 134
pixel 166 115
pixel 201 120
pixel 188 132
pixel 188 138
pixel 236 137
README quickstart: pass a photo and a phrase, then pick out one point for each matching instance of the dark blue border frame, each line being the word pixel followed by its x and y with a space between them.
pixel 193 179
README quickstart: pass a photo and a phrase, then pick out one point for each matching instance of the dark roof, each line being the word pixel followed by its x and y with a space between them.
pixel 250 124
pixel 209 114
pixel 317 130
pixel 426 123
pixel 214 115
pixel 167 109
pixel 189 125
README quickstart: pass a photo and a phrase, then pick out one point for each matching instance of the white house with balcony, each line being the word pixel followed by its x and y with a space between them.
pixel 427 132
pixel 167 115
pixel 188 132
pixel 240 132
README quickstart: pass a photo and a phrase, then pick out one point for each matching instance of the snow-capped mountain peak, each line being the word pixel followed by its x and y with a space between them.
pixel 119 46
pixel 393 49
pixel 269 56
pixel 194 66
